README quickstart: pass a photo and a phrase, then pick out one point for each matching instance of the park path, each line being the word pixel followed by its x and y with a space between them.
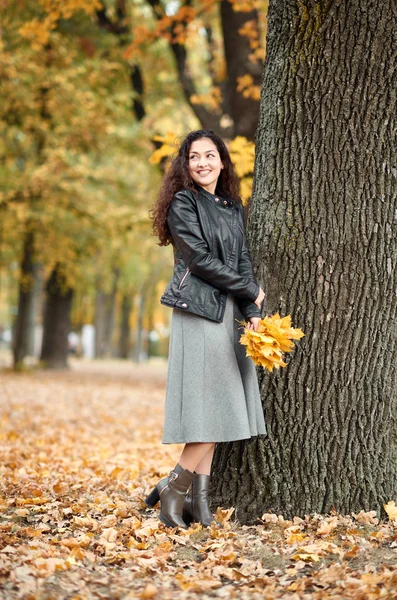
pixel 78 452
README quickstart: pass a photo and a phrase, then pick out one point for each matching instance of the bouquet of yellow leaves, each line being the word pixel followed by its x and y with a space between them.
pixel 266 346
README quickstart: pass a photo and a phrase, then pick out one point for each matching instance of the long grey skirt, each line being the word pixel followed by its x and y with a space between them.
pixel 212 392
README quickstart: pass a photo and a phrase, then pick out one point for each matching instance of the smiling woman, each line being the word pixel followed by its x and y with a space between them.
pixel 212 390
pixel 205 164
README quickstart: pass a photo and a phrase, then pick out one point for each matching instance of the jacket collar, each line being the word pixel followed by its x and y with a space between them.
pixel 218 199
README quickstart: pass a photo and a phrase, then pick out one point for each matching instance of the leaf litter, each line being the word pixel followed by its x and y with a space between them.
pixel 79 452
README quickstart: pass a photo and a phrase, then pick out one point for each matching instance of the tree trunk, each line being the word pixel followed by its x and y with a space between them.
pixel 56 321
pixel 99 322
pixel 244 111
pixel 104 319
pixel 29 292
pixel 152 344
pixel 125 329
pixel 324 242
pixel 140 350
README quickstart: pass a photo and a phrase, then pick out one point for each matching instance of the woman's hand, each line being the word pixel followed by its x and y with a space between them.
pixel 253 323
pixel 260 298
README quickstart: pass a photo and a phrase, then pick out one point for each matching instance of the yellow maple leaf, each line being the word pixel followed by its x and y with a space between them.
pixel 295 538
pixel 368 518
pixel 306 556
pixel 327 526
pixel 391 510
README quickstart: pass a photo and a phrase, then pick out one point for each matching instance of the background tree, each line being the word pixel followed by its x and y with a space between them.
pixel 323 236
pixel 68 144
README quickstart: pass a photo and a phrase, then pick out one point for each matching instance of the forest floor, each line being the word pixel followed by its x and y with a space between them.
pixel 78 452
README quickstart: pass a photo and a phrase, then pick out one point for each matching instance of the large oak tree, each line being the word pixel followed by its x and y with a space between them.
pixel 324 242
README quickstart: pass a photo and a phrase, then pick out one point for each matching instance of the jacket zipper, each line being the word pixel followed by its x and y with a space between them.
pixel 183 278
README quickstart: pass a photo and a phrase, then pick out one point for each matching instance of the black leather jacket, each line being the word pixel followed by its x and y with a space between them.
pixel 211 256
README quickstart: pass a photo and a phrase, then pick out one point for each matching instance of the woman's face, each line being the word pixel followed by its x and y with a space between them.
pixel 205 164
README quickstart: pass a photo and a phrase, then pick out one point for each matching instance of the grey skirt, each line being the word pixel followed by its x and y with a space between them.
pixel 212 392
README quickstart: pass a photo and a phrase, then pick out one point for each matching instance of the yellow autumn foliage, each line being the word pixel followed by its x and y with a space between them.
pixel 168 147
pixel 242 153
pixel 38 31
pixel 245 85
pixel 246 5
pixel 212 99
pixel 274 337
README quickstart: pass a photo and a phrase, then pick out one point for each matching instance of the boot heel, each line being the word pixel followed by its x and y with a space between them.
pixel 153 498
pixel 187 517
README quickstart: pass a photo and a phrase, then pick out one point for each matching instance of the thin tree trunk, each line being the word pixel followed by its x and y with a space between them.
pixel 151 344
pixel 125 329
pixel 101 299
pixel 56 321
pixel 104 319
pixel 140 337
pixel 29 292
pixel 324 241
pixel 33 337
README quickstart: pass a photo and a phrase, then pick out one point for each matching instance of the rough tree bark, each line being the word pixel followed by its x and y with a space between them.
pixel 324 242
pixel 56 321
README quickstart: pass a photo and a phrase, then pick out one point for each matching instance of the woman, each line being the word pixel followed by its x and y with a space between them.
pixel 212 389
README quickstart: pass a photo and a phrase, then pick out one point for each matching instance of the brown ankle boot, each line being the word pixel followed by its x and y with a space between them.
pixel 154 496
pixel 196 503
pixel 172 497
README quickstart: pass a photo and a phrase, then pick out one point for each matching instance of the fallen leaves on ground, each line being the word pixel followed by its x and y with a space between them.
pixel 79 452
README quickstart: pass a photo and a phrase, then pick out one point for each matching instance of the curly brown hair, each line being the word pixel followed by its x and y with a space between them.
pixel 178 178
